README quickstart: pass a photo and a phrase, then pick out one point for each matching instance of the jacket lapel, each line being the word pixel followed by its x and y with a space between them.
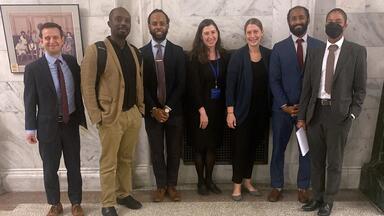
pixel 343 57
pixel 46 73
pixel 113 55
pixel 318 57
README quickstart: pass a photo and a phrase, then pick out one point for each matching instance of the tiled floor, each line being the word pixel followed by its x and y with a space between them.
pixel 9 201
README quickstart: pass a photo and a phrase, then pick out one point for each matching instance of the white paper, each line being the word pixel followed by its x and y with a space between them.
pixel 303 141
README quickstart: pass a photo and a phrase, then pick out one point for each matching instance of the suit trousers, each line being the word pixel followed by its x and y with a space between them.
pixel 118 144
pixel 66 142
pixel 327 140
pixel 247 136
pixel 165 168
pixel 282 126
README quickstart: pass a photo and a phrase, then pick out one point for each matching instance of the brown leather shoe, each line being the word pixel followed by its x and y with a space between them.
pixel 302 195
pixel 275 195
pixel 77 210
pixel 55 210
pixel 158 195
pixel 173 193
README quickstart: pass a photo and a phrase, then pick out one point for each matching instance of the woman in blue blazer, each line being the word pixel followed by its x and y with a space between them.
pixel 248 104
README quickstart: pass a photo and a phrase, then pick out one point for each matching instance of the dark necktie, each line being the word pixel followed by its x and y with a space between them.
pixel 330 68
pixel 161 87
pixel 63 92
pixel 299 53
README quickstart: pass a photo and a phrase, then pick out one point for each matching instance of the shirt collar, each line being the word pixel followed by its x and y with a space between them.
pixel 294 38
pixel 163 43
pixel 52 59
pixel 338 43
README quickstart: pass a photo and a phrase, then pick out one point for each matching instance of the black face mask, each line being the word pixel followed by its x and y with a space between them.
pixel 333 30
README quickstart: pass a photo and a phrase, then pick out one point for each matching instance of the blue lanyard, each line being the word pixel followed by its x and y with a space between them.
pixel 215 71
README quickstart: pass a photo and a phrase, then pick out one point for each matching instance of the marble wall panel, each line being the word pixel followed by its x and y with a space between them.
pixel 101 8
pixel 375 62
pixel 322 7
pixel 374 88
pixel 94 29
pixel 83 4
pixel 366 29
pixel 3 44
pixel 19 2
pixel 354 6
pixel 373 6
pixel 357 152
pixel 222 7
pixel 280 29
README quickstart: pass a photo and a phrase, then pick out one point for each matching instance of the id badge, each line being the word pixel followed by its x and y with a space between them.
pixel 215 93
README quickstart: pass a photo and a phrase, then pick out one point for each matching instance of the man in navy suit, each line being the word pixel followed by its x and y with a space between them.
pixel 164 84
pixel 286 74
pixel 53 112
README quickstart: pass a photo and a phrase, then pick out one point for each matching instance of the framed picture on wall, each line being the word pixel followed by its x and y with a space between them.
pixel 21 28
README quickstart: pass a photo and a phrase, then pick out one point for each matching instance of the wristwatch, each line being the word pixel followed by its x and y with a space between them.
pixel 167 110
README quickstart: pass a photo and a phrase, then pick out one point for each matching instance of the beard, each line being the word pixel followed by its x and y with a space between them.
pixel 299 30
pixel 157 37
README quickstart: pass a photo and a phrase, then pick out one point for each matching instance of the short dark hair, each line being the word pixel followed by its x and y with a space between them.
pixel 337 10
pixel 158 11
pixel 298 7
pixel 116 9
pixel 50 25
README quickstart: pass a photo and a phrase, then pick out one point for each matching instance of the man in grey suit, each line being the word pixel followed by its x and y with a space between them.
pixel 334 89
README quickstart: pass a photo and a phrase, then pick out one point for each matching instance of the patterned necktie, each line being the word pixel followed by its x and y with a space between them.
pixel 330 68
pixel 161 87
pixel 63 92
pixel 299 53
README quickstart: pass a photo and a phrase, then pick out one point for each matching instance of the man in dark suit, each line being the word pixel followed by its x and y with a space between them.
pixel 334 89
pixel 286 74
pixel 54 108
pixel 164 83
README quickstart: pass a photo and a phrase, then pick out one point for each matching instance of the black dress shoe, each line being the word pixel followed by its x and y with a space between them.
pixel 312 205
pixel 213 188
pixel 129 202
pixel 109 211
pixel 325 209
pixel 202 189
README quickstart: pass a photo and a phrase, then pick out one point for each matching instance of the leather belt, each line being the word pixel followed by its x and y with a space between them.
pixel 324 102
pixel 61 120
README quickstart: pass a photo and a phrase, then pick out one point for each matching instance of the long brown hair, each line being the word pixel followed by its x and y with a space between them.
pixel 199 49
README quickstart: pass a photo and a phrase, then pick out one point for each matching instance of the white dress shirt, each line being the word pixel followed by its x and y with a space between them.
pixel 322 94
pixel 304 44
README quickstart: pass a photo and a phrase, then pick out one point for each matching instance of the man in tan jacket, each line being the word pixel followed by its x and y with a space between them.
pixel 117 109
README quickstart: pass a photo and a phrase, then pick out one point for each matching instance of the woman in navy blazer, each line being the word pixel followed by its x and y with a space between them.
pixel 248 104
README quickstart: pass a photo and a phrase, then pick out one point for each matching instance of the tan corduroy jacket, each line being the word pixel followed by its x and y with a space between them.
pixel 111 85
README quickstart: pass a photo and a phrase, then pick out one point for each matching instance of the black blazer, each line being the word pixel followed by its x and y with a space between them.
pixel 41 101
pixel 174 66
pixel 239 81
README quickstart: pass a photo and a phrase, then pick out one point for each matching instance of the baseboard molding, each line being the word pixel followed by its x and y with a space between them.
pixel 25 180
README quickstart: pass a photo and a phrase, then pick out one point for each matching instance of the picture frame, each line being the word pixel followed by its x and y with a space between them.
pixel 21 24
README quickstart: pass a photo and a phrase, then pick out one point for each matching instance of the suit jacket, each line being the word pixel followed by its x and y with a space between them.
pixel 174 68
pixel 111 85
pixel 285 75
pixel 349 82
pixel 240 80
pixel 41 101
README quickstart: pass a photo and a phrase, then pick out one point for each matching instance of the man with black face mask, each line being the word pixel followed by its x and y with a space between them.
pixel 164 84
pixel 333 92
pixel 286 73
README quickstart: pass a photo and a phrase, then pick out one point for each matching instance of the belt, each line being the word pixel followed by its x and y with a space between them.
pixel 324 102
pixel 61 120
